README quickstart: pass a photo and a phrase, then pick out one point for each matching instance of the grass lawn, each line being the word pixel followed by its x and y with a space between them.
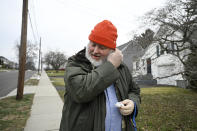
pixel 57 81
pixel 32 82
pixel 163 108
pixel 14 113
pixel 54 73
pixel 4 69
pixel 61 93
pixel 167 109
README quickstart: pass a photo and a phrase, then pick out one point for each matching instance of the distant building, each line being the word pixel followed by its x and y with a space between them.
pixel 159 64
pixel 5 63
pixel 154 65
pixel 131 51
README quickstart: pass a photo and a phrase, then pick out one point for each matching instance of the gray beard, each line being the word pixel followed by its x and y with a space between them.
pixel 93 62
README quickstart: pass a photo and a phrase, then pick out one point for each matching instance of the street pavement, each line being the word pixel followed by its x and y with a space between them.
pixel 8 80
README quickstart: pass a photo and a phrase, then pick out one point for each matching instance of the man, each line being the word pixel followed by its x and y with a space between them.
pixel 96 79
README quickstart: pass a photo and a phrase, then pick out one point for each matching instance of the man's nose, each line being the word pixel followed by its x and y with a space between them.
pixel 96 49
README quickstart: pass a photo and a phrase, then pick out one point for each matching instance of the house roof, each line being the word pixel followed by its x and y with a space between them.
pixel 2 57
pixel 122 46
pixel 131 50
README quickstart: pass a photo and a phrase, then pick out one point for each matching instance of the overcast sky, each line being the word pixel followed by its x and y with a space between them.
pixel 64 25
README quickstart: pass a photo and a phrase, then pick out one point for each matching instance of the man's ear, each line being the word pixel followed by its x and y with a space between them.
pixel 112 50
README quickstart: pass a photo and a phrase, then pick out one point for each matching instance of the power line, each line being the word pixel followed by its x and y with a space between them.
pixel 33 23
pixel 32 26
pixel 86 9
pixel 34 14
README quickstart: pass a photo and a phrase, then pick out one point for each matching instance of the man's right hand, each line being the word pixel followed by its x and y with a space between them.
pixel 115 57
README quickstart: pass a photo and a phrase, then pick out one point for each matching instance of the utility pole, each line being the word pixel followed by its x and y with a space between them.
pixel 41 61
pixel 22 53
pixel 39 57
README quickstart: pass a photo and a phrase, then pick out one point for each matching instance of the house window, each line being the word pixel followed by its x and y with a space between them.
pixel 143 62
pixel 173 47
pixel 157 50
pixel 170 48
pixel 137 65
pixel 162 51
pixel 149 71
pixel 1 62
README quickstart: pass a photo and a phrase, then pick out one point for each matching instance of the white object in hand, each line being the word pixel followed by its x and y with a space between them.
pixel 119 104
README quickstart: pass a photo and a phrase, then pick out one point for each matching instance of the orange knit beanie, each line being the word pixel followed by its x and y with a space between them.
pixel 104 33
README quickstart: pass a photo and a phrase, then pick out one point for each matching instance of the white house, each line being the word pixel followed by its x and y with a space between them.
pixel 164 66
pixel 159 65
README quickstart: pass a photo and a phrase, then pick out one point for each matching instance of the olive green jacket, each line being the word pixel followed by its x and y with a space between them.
pixel 85 105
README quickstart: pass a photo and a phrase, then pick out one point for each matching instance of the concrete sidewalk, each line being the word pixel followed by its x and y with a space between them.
pixel 47 107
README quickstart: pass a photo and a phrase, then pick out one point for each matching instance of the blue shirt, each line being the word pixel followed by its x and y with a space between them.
pixel 113 119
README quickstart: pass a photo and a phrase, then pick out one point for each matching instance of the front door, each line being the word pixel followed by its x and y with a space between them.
pixel 148 61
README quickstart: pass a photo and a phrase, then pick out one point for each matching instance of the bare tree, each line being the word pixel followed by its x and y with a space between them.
pixel 191 69
pixel 145 39
pixel 55 58
pixel 178 26
pixel 31 54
